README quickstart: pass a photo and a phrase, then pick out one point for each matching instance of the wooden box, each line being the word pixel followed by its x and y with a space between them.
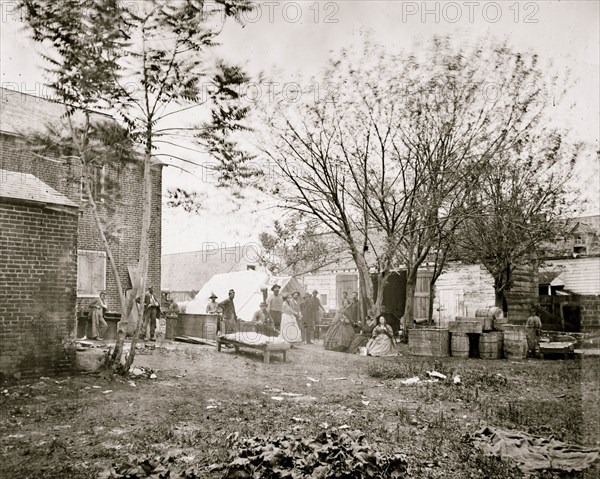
pixel 487 322
pixel 466 326
pixel 429 342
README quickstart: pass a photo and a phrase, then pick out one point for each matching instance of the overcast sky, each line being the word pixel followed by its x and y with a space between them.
pixel 298 37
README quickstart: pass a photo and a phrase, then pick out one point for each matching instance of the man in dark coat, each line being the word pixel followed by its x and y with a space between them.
pixel 229 315
pixel 151 312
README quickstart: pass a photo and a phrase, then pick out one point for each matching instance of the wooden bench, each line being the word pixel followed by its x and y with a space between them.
pixel 266 349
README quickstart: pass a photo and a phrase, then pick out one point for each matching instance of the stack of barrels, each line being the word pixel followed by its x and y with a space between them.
pixel 491 342
pixel 490 333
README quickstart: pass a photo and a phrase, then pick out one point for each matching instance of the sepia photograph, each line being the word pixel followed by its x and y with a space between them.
pixel 299 239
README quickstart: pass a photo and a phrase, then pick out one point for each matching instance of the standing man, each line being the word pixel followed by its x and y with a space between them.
pixel 212 307
pixel 151 312
pixel 345 301
pixel 353 311
pixel 315 308
pixel 308 320
pixel 275 305
pixel 534 331
pixel 229 315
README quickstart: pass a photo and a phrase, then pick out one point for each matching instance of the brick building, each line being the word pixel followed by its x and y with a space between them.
pixel 38 275
pixel 20 114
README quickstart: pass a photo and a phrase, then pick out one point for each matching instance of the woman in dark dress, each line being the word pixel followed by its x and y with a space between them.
pixel 339 335
pixel 361 340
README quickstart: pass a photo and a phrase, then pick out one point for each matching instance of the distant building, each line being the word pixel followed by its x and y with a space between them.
pixel 184 274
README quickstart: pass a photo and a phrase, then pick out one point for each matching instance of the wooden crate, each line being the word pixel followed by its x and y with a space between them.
pixel 499 324
pixel 487 322
pixel 429 342
pixel 466 326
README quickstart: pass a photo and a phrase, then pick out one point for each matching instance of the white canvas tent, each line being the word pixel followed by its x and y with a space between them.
pixel 248 287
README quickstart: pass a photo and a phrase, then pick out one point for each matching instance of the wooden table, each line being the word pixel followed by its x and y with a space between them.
pixel 266 349
pixel 564 348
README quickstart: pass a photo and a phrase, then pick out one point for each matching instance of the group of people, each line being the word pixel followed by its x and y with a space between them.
pixel 376 336
pixel 98 308
pixel 288 316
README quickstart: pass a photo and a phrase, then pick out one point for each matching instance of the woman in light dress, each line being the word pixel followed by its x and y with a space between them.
pixel 289 330
pixel 382 341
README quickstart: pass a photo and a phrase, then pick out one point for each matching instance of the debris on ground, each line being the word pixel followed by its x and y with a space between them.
pixel 534 453
pixel 140 372
pixel 195 340
pixel 409 381
pixel 435 374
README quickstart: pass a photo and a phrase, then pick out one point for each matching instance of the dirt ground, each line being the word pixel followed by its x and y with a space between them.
pixel 76 427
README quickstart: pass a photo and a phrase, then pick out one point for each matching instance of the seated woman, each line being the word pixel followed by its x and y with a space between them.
pixel 339 335
pixel 382 340
pixel 361 339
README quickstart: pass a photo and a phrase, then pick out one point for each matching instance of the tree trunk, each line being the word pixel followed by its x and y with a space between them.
pixel 409 309
pixel 382 281
pixel 431 299
pixel 364 282
pixel 144 255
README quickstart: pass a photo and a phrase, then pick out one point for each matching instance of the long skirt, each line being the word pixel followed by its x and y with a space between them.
pixel 98 324
pixel 289 330
pixel 380 345
pixel 339 336
pixel 359 341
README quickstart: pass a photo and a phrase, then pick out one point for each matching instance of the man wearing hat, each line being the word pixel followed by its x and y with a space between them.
pixel 313 307
pixel 275 305
pixel 264 321
pixel 212 307
pixel 229 315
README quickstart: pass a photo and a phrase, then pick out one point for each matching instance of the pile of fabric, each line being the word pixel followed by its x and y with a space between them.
pixel 531 453
pixel 252 338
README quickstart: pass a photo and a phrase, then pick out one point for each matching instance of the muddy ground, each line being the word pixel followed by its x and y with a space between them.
pixel 76 427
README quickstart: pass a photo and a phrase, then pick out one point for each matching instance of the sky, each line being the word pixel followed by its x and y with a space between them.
pixel 297 38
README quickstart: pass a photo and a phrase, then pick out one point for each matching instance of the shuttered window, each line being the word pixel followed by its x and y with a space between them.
pixel 91 272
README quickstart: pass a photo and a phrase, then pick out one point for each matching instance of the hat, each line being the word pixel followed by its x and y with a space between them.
pixel 213 295
pixel 315 291
pixel 263 304
pixel 231 291
pixel 275 286
pixel 296 292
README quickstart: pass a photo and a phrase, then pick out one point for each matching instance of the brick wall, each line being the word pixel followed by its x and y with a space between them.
pixel 124 217
pixel 38 284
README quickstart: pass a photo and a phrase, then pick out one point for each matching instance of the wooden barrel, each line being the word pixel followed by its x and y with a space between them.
pixel 491 345
pixel 489 312
pixel 515 344
pixel 459 345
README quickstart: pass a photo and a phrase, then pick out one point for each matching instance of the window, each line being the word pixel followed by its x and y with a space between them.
pixel 323 299
pixel 91 272
pixel 251 267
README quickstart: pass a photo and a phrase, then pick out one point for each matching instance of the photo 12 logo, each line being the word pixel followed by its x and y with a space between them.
pixel 470 12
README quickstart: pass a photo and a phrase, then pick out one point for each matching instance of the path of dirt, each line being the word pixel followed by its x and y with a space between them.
pixel 75 427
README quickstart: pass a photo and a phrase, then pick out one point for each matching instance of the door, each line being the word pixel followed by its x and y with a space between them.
pixel 421 305
pixel 345 283
pixel 451 304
